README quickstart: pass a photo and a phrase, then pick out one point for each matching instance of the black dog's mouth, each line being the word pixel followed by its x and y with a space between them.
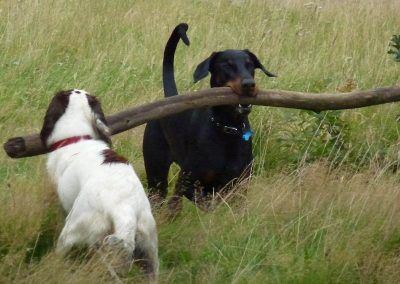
pixel 243 109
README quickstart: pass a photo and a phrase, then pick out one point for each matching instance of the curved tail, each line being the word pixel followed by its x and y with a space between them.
pixel 168 62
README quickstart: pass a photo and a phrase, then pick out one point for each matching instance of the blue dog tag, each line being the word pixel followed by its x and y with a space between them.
pixel 246 136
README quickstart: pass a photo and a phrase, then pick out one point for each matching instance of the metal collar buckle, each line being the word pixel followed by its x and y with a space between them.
pixel 230 130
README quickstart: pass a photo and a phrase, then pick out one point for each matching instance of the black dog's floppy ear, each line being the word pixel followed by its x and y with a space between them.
pixel 257 63
pixel 99 119
pixel 203 68
pixel 54 111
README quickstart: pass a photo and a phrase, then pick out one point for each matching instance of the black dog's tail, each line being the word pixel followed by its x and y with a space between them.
pixel 168 62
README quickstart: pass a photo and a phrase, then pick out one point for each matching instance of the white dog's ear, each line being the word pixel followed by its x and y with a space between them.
pixel 101 126
pixel 54 111
pixel 99 120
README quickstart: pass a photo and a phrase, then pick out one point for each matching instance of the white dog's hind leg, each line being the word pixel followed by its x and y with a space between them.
pixel 68 238
pixel 123 237
pixel 146 250
pixel 65 243
pixel 82 227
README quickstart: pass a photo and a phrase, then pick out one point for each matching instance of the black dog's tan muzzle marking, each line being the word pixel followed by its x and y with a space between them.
pixel 248 87
pixel 245 87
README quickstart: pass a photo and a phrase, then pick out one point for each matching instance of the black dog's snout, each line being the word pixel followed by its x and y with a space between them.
pixel 248 83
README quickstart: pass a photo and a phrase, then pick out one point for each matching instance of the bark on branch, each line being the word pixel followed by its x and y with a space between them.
pixel 31 145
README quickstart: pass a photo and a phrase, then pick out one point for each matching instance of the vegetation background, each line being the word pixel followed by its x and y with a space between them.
pixel 324 203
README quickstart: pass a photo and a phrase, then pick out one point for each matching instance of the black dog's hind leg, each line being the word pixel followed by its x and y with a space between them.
pixel 157 160
pixel 182 185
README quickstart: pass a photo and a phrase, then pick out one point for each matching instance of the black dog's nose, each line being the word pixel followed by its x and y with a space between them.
pixel 248 83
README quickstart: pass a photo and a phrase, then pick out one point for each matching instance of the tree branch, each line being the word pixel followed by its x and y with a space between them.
pixel 31 145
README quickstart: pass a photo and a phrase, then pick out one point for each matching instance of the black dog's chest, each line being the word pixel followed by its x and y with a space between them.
pixel 213 160
pixel 221 170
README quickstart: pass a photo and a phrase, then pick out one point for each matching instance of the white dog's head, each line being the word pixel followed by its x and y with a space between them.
pixel 74 113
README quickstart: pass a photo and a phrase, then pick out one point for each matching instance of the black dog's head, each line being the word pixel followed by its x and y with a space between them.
pixel 234 69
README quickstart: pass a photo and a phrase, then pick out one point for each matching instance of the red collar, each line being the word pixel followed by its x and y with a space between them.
pixel 68 141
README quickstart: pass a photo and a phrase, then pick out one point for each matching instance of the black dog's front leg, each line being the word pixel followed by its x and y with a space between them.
pixel 236 173
pixel 234 177
pixel 190 187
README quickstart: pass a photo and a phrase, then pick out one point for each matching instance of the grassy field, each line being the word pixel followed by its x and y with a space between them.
pixel 324 203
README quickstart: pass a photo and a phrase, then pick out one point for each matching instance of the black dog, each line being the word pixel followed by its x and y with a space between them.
pixel 212 145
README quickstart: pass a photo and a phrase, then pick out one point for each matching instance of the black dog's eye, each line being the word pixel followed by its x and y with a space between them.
pixel 231 65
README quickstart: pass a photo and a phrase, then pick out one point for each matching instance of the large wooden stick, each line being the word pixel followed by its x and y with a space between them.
pixel 31 145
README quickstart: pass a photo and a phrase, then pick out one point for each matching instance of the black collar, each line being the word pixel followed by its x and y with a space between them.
pixel 230 130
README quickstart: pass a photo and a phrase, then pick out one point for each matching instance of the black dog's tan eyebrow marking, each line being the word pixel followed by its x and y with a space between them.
pixel 111 157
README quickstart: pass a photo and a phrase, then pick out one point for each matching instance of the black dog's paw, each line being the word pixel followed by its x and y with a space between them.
pixel 175 205
pixel 156 201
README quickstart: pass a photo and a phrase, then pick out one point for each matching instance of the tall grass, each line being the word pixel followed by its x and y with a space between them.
pixel 323 204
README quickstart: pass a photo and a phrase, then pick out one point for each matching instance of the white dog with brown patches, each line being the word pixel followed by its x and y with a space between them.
pixel 99 189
